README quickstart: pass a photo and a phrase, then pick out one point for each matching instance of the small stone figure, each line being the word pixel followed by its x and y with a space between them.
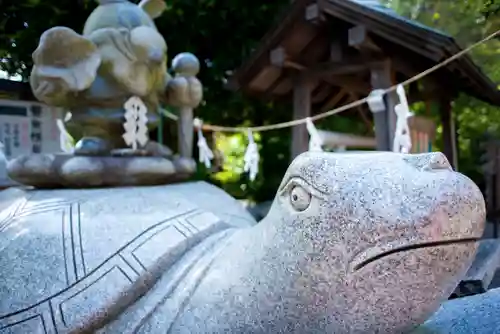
pixel 120 55
pixel 353 243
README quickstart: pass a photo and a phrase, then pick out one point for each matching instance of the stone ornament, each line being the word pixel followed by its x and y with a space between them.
pixel 353 243
pixel 185 89
pixel 119 55
pixel 62 68
pixel 123 168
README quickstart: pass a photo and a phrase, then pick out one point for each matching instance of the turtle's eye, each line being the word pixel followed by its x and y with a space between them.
pixel 298 194
pixel 300 198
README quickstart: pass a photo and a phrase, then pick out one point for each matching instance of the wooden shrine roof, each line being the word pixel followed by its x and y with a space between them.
pixel 16 90
pixel 302 40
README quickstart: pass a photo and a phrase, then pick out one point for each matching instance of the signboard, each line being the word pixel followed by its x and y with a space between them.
pixel 14 134
pixel 27 127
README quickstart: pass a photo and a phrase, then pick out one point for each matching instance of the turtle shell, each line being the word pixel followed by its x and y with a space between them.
pixel 69 257
pixel 123 14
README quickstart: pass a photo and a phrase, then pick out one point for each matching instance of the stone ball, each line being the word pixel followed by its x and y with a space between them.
pixel 186 64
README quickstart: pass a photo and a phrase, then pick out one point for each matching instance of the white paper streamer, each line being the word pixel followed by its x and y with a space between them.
pixel 136 123
pixel 402 138
pixel 3 158
pixel 204 152
pixel 251 157
pixel 66 141
pixel 375 100
pixel 315 140
pixel 3 163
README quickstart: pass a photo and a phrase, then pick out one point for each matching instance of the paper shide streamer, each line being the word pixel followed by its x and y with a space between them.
pixel 315 140
pixel 402 138
pixel 136 123
pixel 205 154
pixel 66 141
pixel 251 157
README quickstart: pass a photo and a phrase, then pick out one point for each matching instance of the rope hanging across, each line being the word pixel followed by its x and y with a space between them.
pixel 219 128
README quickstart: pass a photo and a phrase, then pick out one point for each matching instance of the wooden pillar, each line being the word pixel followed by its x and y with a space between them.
pixel 385 121
pixel 301 109
pixel 449 131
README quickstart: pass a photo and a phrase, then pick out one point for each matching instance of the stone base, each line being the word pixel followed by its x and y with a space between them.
pixel 70 171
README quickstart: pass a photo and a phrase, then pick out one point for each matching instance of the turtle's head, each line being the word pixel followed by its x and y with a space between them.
pixel 380 238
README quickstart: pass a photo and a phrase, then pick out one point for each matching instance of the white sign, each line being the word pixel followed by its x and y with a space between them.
pixel 15 135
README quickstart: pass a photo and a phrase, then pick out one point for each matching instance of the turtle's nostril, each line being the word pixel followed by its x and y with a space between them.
pixel 438 161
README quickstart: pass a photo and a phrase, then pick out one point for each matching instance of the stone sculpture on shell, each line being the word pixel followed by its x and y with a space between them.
pixel 120 54
pixel 353 243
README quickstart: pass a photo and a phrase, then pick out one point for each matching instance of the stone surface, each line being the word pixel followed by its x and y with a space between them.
pixel 477 314
pixel 5 181
pixel 158 150
pixel 119 55
pixel 60 170
pixel 69 257
pixel 354 243
pixel 260 210
pixel 129 152
pixel 93 146
pixel 480 274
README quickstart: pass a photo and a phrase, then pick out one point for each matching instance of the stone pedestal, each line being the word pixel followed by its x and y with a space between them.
pixel 69 171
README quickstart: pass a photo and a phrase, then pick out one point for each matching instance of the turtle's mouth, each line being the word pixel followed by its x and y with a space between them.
pixel 363 263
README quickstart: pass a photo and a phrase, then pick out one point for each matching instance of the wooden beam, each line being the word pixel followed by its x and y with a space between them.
pixel 334 100
pixel 325 69
pixel 358 38
pixel 335 139
pixel 449 131
pixel 351 66
pixel 361 112
pixel 322 92
pixel 350 83
pixel 301 109
pixel 335 72
pixel 314 14
pixel 385 121
pixel 336 51
pixel 278 56
pixel 270 91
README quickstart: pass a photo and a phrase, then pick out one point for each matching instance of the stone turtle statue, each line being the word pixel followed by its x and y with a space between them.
pixel 353 243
